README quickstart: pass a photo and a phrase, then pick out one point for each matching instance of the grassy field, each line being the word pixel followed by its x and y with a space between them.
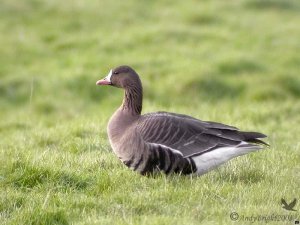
pixel 235 62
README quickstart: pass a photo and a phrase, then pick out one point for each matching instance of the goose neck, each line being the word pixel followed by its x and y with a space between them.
pixel 133 100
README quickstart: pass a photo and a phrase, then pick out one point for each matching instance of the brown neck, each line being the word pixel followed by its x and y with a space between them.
pixel 133 99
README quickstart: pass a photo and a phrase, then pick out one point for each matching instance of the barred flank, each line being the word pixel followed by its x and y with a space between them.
pixel 161 158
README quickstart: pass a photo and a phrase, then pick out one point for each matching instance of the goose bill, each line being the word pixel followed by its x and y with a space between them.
pixel 106 80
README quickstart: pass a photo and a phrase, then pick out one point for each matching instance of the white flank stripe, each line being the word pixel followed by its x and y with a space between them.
pixel 172 149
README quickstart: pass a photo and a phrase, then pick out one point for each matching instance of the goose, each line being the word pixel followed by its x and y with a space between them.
pixel 167 142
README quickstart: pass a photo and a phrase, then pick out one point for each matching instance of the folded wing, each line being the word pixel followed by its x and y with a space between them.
pixel 191 136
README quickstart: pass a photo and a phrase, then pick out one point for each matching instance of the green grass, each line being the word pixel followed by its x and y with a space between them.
pixel 235 62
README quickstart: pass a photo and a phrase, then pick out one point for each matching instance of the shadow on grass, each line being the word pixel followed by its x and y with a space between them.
pixel 291 84
pixel 272 4
pixel 239 66
pixel 202 19
pixel 213 88
pixel 281 88
pixel 44 106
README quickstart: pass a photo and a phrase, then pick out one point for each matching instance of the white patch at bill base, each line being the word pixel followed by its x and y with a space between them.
pixel 108 76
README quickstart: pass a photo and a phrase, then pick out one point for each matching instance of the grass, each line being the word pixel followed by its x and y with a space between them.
pixel 234 62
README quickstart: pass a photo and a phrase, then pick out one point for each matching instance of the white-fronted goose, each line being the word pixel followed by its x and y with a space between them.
pixel 169 142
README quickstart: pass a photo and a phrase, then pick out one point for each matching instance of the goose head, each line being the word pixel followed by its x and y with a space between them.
pixel 121 77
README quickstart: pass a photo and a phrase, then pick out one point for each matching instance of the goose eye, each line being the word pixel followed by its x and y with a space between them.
pixel 115 72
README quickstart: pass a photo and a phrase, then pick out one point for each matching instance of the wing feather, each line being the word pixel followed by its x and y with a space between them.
pixel 190 136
